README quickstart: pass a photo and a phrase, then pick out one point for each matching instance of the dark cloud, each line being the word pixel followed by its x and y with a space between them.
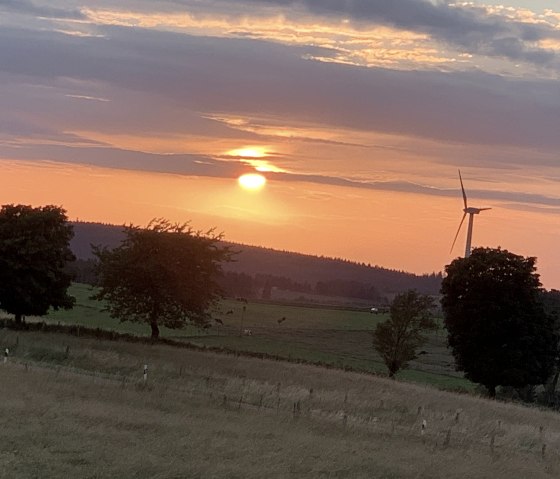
pixel 471 29
pixel 254 78
pixel 30 8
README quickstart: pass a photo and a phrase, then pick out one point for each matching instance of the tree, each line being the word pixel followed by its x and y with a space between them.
pixel 398 338
pixel 34 251
pixel 165 274
pixel 497 327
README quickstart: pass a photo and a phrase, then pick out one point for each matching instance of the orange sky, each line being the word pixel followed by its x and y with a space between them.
pixel 400 231
pixel 358 114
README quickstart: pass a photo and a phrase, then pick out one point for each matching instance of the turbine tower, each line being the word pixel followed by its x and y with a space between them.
pixel 467 211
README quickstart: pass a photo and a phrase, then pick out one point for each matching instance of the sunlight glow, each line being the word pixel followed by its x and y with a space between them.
pixel 263 166
pixel 249 152
pixel 251 181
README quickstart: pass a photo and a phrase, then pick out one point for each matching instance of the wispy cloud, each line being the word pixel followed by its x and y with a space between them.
pixel 86 97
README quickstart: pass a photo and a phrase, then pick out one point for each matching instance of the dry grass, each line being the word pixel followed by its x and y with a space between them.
pixel 88 414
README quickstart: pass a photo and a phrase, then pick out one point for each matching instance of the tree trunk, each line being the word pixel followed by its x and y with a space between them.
pixel 393 369
pixel 492 391
pixel 155 330
pixel 552 387
pixel 18 317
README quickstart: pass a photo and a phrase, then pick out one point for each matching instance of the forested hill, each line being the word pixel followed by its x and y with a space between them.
pixel 283 269
pixel 318 269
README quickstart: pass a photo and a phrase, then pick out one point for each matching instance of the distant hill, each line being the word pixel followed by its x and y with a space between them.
pixel 293 271
pixel 88 234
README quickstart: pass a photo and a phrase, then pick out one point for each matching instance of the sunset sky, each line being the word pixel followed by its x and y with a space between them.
pixel 358 113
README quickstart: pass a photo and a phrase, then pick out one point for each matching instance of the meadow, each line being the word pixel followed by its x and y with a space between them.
pixel 79 407
pixel 337 337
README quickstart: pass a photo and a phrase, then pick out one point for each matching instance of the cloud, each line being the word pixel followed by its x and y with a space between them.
pixel 107 157
pixel 30 8
pixel 202 165
pixel 516 200
pixel 472 29
pixel 214 76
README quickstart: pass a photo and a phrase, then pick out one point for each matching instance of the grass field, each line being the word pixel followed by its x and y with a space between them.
pixel 78 407
pixel 338 337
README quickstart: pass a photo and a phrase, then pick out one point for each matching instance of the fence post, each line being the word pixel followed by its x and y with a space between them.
pixel 447 439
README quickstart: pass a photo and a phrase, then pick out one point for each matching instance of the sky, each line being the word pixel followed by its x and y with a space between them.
pixel 359 114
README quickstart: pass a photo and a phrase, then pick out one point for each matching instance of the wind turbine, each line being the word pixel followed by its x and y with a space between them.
pixel 467 211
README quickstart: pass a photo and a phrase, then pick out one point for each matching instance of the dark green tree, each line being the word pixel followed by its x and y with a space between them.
pixel 398 338
pixel 34 252
pixel 163 275
pixel 497 327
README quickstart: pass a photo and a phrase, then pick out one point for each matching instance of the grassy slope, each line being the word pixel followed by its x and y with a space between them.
pixel 86 414
pixel 337 337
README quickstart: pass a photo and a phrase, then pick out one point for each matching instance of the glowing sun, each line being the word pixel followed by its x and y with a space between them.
pixel 251 181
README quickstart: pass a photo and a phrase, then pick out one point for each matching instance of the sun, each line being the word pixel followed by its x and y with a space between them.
pixel 251 181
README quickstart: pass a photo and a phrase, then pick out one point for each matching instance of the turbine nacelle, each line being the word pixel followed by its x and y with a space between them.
pixel 474 211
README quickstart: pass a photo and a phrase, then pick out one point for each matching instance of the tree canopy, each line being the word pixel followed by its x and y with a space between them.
pixel 398 338
pixel 165 274
pixel 34 250
pixel 497 327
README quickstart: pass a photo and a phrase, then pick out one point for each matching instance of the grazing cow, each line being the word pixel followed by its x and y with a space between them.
pixel 247 332
pixel 281 320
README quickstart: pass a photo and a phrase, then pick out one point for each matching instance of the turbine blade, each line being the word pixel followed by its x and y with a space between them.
pixel 484 209
pixel 463 190
pixel 458 230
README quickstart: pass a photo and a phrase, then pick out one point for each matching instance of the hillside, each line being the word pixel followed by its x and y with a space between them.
pixel 88 413
pixel 332 276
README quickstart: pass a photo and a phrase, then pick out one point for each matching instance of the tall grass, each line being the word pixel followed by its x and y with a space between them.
pixel 79 407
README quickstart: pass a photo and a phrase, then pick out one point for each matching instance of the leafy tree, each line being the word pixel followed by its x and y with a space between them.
pixel 398 338
pixel 497 327
pixel 34 251
pixel 165 274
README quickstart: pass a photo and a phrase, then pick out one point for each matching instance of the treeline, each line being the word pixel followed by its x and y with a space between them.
pixel 261 286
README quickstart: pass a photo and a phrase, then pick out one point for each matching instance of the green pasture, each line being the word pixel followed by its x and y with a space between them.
pixel 341 338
